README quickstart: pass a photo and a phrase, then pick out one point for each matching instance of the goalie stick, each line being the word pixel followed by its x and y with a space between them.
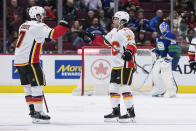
pixel 110 45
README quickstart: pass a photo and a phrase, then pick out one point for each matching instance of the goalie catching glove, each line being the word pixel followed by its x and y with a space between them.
pixel 192 64
pixel 127 55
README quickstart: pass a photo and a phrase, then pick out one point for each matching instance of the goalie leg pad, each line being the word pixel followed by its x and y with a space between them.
pixel 158 86
pixel 167 76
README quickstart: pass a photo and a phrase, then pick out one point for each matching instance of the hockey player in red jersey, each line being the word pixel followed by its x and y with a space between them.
pixel 32 35
pixel 123 66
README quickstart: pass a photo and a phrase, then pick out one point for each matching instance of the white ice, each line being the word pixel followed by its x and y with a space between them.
pixel 85 113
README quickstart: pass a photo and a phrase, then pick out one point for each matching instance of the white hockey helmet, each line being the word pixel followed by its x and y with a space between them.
pixel 122 15
pixel 36 10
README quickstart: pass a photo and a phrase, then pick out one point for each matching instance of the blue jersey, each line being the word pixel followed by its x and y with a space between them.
pixel 166 47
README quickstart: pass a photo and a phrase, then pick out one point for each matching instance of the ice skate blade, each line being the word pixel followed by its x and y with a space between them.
pixel 111 119
pixel 40 121
pixel 129 120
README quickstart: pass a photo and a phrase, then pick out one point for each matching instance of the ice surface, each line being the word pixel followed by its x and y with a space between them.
pixel 85 113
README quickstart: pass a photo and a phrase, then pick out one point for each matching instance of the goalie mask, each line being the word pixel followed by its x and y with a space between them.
pixel 36 10
pixel 164 28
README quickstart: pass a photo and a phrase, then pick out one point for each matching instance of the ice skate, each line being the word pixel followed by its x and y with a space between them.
pixel 114 116
pixel 158 95
pixel 32 110
pixel 40 118
pixel 129 117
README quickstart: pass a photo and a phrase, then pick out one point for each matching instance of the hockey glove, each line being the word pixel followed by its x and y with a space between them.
pixel 87 36
pixel 167 60
pixel 127 55
pixel 65 21
pixel 192 64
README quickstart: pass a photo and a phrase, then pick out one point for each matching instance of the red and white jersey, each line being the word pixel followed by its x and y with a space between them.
pixel 120 39
pixel 32 35
pixel 192 49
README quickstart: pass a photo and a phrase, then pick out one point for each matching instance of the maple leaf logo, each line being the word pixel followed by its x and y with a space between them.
pixel 101 69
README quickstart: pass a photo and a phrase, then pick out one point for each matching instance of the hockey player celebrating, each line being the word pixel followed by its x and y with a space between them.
pixel 123 66
pixel 191 54
pixel 167 54
pixel 32 35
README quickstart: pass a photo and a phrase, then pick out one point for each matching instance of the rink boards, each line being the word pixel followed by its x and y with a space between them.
pixel 62 73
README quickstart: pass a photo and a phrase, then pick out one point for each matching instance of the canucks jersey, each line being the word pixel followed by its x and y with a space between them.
pixel 168 47
pixel 32 35
pixel 123 38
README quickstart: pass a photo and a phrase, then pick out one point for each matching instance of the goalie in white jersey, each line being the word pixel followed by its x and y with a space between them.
pixel 123 66
pixel 32 35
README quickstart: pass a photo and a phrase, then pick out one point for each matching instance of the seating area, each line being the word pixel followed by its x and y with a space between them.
pixel 149 12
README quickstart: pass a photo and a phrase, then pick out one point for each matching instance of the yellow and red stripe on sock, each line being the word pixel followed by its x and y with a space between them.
pixel 37 99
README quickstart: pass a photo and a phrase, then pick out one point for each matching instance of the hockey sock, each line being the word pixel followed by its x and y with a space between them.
pixel 128 99
pixel 37 97
pixel 28 94
pixel 37 101
pixel 115 99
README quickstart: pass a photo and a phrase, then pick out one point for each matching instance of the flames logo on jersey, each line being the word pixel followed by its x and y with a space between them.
pixel 67 69
pixel 100 69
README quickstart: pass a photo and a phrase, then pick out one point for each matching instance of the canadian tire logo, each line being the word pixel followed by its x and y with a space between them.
pixel 100 69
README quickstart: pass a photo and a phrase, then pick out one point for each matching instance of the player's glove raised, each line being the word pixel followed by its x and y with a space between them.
pixel 65 22
pixel 127 55
pixel 87 36
pixel 192 64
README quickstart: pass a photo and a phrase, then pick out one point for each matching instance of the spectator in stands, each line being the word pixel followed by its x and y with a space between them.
pixel 183 45
pixel 136 2
pixel 69 10
pixel 104 21
pixel 175 31
pixel 11 43
pixel 95 28
pixel 153 39
pixel 129 6
pixel 190 35
pixel 192 21
pixel 93 4
pixel 183 28
pixel 91 15
pixel 141 38
pixel 26 9
pixel 155 21
pixel 14 15
pixel 133 22
pixel 50 8
pixel 79 5
pixel 176 20
pixel 73 34
pixel 143 24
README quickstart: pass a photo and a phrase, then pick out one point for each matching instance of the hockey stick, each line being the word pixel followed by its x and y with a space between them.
pixel 142 85
pixel 110 45
pixel 163 37
pixel 45 103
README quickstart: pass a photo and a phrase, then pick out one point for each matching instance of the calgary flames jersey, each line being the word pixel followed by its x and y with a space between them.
pixel 120 39
pixel 192 49
pixel 32 35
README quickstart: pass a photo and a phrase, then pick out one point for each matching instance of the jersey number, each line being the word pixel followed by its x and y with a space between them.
pixel 21 37
pixel 117 45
